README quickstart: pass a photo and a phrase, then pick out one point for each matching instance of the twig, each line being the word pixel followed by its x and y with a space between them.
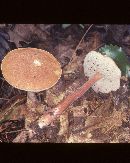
pixel 4 99
pixel 82 38
pixel 6 137
pixel 14 131
pixel 98 47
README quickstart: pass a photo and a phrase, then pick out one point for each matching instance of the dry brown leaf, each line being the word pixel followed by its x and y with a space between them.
pixel 64 53
pixel 77 61
pixel 78 111
pixel 9 110
pixel 77 138
pixel 64 124
pixel 26 33
pixel 52 99
pixel 21 138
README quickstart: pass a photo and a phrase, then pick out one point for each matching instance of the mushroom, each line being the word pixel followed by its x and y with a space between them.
pixel 111 74
pixel 32 70
pixel 104 76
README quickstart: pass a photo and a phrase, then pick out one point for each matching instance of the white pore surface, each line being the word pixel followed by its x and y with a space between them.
pixel 96 62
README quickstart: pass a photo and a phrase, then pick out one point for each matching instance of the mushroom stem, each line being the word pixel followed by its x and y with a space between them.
pixel 62 106
pixel 31 99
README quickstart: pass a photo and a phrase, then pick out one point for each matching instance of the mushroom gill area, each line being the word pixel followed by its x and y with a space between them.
pixel 96 62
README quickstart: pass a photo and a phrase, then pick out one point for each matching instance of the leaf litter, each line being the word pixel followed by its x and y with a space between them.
pixel 93 118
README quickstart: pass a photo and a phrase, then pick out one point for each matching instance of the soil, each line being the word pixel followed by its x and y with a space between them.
pixel 93 118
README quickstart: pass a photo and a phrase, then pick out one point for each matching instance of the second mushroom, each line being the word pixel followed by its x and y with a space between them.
pixel 104 76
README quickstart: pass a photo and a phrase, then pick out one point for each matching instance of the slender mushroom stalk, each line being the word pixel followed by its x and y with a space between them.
pixel 62 106
pixel 104 76
pixel 77 94
pixel 32 100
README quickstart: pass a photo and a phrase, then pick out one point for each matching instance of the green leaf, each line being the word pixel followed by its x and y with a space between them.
pixel 118 55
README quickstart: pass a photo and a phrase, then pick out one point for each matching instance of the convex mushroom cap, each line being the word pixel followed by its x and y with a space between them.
pixel 31 69
pixel 111 74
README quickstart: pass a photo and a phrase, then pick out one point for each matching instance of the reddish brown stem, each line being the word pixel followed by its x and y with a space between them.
pixel 61 107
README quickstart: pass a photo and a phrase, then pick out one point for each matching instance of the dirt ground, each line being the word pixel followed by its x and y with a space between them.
pixel 95 117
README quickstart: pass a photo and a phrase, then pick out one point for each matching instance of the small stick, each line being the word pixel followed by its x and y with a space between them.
pixel 81 41
pixel 4 99
pixel 54 113
pixel 14 131
pixel 83 38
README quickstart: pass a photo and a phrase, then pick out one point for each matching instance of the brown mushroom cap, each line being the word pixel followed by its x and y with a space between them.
pixel 31 69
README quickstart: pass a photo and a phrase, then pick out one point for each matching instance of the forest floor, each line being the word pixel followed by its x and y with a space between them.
pixel 95 117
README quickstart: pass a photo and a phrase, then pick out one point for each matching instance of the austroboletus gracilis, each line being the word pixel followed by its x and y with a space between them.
pixel 104 76
pixel 31 69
